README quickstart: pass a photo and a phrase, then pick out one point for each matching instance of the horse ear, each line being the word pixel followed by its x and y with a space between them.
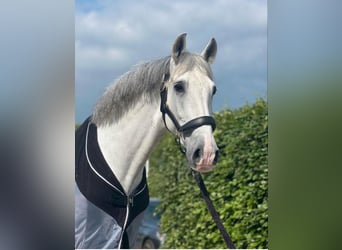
pixel 178 47
pixel 209 53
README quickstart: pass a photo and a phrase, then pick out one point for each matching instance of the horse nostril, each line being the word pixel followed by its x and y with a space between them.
pixel 216 156
pixel 196 157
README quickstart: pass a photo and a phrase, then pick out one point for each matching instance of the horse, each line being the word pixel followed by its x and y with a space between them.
pixel 173 93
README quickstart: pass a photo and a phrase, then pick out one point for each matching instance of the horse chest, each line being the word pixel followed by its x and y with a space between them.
pixel 103 210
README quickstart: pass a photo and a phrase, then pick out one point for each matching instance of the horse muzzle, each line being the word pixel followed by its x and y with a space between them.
pixel 203 156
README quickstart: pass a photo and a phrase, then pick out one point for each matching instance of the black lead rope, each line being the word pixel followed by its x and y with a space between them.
pixel 212 210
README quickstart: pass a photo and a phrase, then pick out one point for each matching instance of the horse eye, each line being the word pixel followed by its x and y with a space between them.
pixel 179 87
pixel 214 90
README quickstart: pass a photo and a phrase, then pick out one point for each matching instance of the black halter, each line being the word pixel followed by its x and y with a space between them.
pixel 190 125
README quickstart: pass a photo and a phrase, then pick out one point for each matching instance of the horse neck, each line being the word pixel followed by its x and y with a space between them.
pixel 127 144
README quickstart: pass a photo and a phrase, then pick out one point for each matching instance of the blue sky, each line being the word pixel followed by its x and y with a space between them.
pixel 113 36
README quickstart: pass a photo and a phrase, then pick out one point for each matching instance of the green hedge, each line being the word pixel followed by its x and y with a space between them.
pixel 237 186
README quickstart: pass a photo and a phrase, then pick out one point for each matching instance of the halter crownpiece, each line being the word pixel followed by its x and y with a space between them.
pixel 190 125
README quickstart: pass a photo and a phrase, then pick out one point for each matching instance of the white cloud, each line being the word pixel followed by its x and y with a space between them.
pixel 114 35
pixel 92 57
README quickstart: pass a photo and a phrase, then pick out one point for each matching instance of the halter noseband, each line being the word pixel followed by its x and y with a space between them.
pixel 190 125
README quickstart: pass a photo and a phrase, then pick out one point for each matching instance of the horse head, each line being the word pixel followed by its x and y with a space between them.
pixel 186 103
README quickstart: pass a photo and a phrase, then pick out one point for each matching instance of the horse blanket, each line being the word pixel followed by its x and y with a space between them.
pixel 105 216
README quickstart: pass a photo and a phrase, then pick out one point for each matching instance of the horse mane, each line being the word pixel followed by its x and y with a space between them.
pixel 143 82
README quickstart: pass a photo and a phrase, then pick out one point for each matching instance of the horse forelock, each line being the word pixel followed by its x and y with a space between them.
pixel 189 62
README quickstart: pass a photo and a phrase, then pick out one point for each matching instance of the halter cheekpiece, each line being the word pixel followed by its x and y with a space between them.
pixel 190 125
